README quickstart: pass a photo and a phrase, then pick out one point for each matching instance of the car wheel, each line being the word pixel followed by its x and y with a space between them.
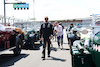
pixel 70 42
pixel 17 50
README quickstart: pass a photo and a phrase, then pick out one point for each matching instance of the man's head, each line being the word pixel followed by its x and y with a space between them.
pixel 21 24
pixel 46 19
pixel 56 23
pixel 60 23
pixel 71 25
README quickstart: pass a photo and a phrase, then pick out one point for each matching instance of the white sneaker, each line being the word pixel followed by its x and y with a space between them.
pixel 59 47
pixel 62 47
pixel 51 45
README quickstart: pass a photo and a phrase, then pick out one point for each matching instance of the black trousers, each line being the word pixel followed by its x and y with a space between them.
pixel 46 40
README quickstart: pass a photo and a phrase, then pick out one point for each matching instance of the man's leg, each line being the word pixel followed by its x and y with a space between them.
pixel 44 47
pixel 49 48
pixel 58 38
pixel 55 37
pixel 62 41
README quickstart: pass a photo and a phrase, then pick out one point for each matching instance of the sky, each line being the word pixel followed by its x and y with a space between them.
pixel 54 9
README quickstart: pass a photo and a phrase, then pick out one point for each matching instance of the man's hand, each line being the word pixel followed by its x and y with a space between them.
pixel 51 37
pixel 40 38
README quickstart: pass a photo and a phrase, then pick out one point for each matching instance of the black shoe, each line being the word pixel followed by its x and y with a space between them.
pixel 48 55
pixel 42 57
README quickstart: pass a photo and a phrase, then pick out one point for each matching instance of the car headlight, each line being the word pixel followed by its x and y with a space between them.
pixel 84 32
pixel 30 35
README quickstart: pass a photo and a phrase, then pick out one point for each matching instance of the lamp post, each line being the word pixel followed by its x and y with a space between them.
pixel 8 19
pixel 2 20
pixel 4 14
pixel 5 11
pixel 33 10
pixel 13 20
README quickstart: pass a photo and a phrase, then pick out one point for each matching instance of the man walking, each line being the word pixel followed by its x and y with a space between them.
pixel 62 34
pixel 46 31
pixel 59 30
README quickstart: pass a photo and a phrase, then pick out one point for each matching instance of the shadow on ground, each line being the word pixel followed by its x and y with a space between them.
pixel 35 47
pixel 56 59
pixel 65 49
pixel 65 43
pixel 9 59
pixel 53 49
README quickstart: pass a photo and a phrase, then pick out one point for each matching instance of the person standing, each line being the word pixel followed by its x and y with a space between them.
pixel 71 26
pixel 22 26
pixel 8 24
pixel 59 30
pixel 46 31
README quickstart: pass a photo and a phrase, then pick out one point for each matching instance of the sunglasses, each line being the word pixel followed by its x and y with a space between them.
pixel 46 18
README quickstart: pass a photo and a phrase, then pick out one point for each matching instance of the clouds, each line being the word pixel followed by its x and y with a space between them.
pixel 54 9
pixel 66 9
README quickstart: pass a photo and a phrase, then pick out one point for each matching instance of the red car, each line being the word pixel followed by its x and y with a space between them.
pixel 11 38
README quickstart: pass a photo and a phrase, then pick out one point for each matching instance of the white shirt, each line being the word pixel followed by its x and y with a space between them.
pixel 59 30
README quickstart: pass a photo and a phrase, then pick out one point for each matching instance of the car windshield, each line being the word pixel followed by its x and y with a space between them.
pixel 81 27
pixel 29 29
pixel 97 38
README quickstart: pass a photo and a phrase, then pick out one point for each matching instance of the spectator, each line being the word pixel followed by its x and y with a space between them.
pixel 59 31
pixel 8 24
pixel 22 26
pixel 62 33
pixel 71 26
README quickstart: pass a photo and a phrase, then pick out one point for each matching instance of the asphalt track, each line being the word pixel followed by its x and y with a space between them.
pixel 32 58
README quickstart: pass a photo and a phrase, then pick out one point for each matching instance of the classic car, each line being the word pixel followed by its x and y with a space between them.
pixel 93 46
pixel 91 40
pixel 11 39
pixel 31 36
pixel 78 33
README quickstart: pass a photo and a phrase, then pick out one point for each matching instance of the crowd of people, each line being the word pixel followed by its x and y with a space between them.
pixel 50 31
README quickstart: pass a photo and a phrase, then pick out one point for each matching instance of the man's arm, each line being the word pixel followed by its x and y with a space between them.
pixel 41 29
pixel 51 32
pixel 52 28
pixel 60 29
pixel 63 27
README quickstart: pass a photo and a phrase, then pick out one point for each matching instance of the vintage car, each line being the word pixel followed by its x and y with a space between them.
pixel 31 36
pixel 89 40
pixel 93 46
pixel 78 33
pixel 11 38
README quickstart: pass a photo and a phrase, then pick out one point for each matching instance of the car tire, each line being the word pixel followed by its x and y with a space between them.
pixel 18 44
pixel 70 44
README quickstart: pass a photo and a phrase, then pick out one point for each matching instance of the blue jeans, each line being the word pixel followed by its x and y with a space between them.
pixel 58 40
